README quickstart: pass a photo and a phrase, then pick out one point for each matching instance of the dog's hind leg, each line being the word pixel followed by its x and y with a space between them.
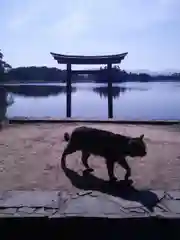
pixel 85 156
pixel 110 168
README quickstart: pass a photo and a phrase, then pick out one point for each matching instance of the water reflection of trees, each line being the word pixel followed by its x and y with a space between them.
pixel 103 91
pixel 5 101
pixel 38 91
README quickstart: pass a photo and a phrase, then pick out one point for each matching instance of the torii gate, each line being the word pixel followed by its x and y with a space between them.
pixel 83 60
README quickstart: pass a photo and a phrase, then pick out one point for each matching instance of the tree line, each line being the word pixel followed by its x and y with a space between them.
pixel 47 74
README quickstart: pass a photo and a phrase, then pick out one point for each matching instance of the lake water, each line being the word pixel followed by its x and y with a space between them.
pixel 143 101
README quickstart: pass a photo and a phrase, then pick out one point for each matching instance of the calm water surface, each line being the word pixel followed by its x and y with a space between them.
pixel 143 101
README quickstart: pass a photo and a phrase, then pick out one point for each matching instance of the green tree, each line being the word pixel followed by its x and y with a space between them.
pixel 4 67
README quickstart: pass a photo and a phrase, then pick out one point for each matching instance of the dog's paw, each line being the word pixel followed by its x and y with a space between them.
pixel 87 171
pixel 90 170
pixel 113 179
pixel 129 182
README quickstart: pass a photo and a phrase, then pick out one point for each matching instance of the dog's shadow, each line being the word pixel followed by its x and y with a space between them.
pixel 122 189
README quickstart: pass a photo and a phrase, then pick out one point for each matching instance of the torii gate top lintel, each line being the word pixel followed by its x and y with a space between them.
pixel 77 59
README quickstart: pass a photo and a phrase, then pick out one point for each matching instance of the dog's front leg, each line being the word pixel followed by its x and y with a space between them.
pixel 122 161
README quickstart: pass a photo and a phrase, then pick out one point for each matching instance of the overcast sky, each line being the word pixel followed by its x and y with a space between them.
pixel 149 30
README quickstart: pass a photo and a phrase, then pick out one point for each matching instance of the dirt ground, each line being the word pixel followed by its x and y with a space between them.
pixel 29 157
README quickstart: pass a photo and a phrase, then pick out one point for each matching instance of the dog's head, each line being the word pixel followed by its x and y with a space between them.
pixel 137 147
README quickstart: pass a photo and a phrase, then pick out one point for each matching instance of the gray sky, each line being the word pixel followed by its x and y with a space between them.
pixel 149 30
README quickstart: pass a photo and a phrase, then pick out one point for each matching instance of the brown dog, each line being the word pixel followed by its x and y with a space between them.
pixel 113 147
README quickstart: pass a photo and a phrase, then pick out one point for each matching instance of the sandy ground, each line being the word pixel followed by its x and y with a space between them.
pixel 29 156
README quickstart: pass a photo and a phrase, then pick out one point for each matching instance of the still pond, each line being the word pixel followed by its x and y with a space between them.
pixel 132 100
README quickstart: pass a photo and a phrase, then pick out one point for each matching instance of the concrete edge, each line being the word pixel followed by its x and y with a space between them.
pixel 25 120
pixel 93 217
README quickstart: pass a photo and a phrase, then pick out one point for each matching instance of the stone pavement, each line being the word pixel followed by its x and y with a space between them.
pixel 56 204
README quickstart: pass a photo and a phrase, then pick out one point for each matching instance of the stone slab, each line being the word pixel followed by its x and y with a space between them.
pixel 45 212
pixel 173 206
pixel 29 199
pixel 8 211
pixel 84 204
pixel 27 210
pixel 101 205
pixel 174 195
pixel 125 203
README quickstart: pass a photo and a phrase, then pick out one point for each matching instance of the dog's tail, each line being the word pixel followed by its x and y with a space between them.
pixel 66 136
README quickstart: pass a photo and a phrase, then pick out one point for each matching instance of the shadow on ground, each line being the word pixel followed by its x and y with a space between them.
pixel 122 189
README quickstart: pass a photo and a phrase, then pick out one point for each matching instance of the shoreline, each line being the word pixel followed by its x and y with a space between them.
pixel 94 82
pixel 31 120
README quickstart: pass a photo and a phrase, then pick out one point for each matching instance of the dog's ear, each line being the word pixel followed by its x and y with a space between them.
pixel 141 137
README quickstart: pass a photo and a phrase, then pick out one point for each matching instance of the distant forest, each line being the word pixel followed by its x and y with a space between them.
pixel 46 74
